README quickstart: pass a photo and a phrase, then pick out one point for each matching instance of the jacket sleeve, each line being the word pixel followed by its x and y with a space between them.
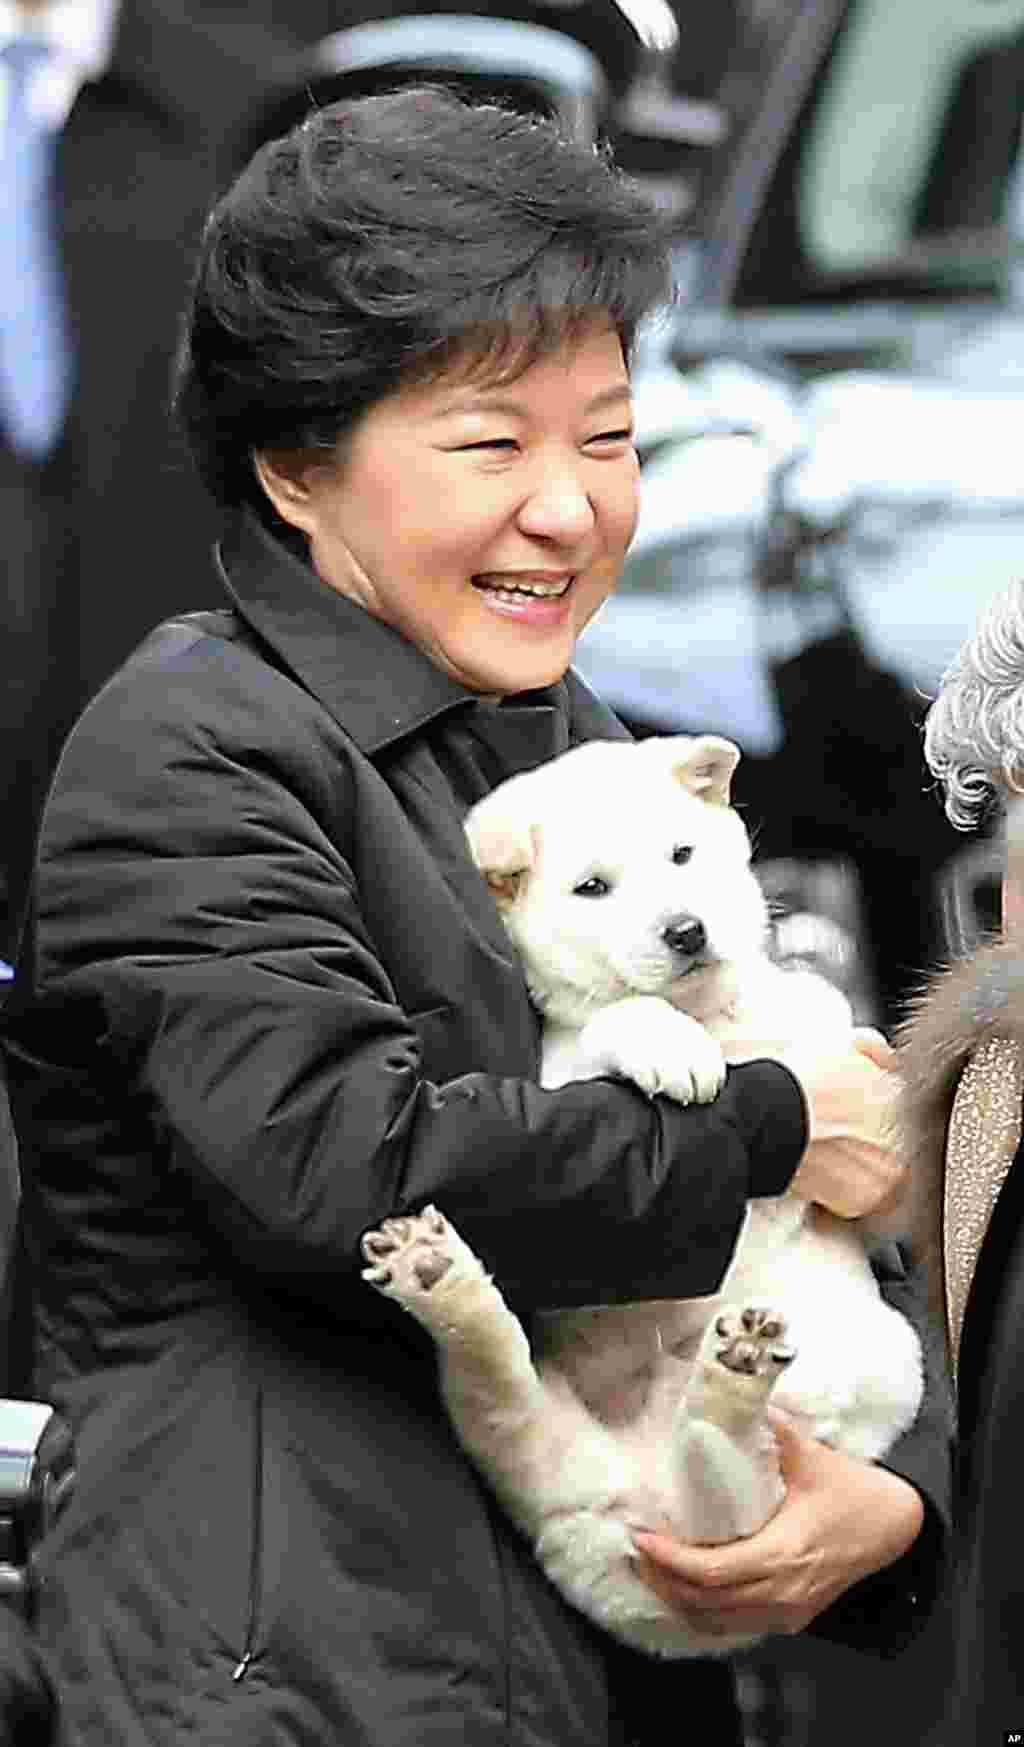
pixel 195 909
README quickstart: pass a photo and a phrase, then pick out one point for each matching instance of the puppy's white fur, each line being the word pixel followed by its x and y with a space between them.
pixel 623 877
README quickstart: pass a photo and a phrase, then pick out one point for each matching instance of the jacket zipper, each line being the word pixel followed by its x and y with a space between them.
pixel 256 1551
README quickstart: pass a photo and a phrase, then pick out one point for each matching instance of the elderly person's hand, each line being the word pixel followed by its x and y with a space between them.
pixel 851 1165
pixel 841 1520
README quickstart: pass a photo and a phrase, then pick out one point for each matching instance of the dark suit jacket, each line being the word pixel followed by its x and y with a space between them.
pixel 144 150
pixel 978 999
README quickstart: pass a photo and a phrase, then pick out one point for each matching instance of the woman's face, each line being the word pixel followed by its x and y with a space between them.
pixel 485 521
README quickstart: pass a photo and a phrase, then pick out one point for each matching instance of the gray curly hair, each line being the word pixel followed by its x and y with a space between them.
pixel 974 731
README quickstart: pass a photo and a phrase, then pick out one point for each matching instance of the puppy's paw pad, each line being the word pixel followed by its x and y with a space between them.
pixel 411 1254
pixel 752 1341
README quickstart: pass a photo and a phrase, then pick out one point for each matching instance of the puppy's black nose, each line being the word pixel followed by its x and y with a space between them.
pixel 686 935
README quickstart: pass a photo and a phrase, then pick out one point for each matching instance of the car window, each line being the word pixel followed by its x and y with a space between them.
pixel 877 128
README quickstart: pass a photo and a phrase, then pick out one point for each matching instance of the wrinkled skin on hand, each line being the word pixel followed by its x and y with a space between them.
pixel 841 1520
pixel 851 1164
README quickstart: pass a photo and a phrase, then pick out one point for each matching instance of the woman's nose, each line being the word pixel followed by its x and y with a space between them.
pixel 559 508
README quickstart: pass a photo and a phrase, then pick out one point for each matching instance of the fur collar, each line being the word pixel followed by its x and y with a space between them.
pixel 976 999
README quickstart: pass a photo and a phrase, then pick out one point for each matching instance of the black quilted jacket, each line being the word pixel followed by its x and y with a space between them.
pixel 264 1001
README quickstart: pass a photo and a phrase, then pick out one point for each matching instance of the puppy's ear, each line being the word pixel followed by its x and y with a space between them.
pixel 704 765
pixel 503 848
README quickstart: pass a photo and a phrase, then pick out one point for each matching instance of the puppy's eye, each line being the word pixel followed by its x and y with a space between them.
pixel 595 887
pixel 681 854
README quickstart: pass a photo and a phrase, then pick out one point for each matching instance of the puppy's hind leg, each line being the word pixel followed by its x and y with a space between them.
pixel 725 1459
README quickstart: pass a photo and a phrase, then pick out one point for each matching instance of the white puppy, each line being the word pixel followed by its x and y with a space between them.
pixel 622 874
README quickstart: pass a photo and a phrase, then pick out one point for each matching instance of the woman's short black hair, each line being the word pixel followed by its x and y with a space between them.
pixel 374 240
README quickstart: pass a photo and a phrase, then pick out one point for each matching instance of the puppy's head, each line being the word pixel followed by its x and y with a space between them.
pixel 620 868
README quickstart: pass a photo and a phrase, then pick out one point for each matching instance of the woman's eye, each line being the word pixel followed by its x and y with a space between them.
pixel 681 854
pixel 491 443
pixel 595 887
pixel 623 436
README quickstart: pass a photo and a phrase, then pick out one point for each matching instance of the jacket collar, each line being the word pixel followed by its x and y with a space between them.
pixel 968 1004
pixel 371 679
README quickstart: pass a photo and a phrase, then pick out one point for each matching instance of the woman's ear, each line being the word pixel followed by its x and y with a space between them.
pixel 286 476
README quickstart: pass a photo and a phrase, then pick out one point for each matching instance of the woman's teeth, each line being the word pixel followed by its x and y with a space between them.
pixel 514 591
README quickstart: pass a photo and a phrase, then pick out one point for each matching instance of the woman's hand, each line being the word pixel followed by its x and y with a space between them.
pixel 841 1520
pixel 851 1165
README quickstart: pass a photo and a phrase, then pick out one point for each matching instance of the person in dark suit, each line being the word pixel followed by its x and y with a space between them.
pixel 962 1055
pixel 141 100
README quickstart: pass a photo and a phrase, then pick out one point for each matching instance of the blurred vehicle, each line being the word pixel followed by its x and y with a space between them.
pixel 828 425
pixel 604 67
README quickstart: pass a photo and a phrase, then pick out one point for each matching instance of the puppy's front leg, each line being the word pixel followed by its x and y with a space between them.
pixel 660 1049
pixel 421 1261
pixel 498 1403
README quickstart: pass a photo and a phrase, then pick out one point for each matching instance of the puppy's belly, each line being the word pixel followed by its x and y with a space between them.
pixel 650 1470
pixel 622 1469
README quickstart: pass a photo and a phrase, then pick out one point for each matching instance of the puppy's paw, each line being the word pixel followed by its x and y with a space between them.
pixel 659 1049
pixel 703 1076
pixel 752 1342
pixel 411 1255
pixel 742 1355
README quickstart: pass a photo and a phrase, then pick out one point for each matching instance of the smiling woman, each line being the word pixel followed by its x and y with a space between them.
pixel 267 1001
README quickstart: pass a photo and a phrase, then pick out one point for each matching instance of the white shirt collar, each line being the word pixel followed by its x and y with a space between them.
pixel 82 35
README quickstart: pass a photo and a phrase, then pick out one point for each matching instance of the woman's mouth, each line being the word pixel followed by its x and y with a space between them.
pixel 537 599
